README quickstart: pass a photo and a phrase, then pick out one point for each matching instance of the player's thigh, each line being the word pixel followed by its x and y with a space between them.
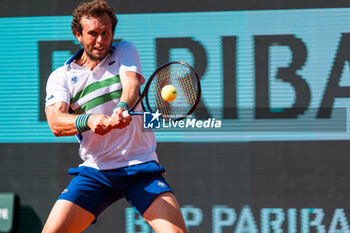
pixel 164 214
pixel 66 216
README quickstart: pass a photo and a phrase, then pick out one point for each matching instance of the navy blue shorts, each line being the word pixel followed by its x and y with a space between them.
pixel 94 190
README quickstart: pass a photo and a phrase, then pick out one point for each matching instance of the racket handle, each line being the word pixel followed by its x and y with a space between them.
pixel 126 113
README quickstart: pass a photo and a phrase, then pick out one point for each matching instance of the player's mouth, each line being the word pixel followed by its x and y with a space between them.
pixel 102 49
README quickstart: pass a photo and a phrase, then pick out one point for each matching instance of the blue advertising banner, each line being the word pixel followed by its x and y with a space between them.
pixel 265 75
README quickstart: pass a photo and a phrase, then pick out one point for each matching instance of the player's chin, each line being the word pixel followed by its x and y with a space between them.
pixel 100 53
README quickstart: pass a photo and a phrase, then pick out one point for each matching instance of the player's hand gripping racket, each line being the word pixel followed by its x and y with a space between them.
pixel 173 89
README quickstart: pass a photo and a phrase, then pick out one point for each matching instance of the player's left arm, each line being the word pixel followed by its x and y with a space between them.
pixel 131 82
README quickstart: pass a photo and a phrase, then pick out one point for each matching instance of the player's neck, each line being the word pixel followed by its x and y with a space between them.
pixel 86 62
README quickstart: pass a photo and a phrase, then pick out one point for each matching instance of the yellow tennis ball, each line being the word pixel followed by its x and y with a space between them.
pixel 169 93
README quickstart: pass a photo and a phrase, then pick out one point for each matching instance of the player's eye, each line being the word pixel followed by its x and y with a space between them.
pixel 93 33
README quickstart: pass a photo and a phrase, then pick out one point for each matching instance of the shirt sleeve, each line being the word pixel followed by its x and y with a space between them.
pixel 57 88
pixel 129 59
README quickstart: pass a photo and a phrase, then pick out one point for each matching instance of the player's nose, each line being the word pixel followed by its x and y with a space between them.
pixel 99 39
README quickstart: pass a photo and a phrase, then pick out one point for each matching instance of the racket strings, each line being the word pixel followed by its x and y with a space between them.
pixel 189 89
pixel 185 82
pixel 161 81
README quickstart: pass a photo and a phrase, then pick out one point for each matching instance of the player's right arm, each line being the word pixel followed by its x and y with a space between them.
pixel 63 124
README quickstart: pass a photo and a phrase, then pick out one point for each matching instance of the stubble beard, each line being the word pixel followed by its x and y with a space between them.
pixel 92 57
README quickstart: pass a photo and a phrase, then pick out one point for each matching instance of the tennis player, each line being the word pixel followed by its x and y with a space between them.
pixel 86 97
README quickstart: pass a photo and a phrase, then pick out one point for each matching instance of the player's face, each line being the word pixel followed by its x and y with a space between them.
pixel 96 37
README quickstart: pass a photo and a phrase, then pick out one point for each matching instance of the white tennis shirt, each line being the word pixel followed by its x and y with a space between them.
pixel 99 91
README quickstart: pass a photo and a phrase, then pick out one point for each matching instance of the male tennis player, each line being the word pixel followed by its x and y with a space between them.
pixel 86 97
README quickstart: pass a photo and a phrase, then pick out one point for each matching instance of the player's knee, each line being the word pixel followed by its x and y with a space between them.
pixel 172 230
pixel 54 228
pixel 49 230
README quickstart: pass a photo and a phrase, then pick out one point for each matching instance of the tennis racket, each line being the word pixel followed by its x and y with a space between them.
pixel 180 75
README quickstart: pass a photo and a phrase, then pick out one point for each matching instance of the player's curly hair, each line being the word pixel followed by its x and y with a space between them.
pixel 92 9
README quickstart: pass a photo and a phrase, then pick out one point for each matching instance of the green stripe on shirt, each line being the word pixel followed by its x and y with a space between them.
pixel 95 86
pixel 97 101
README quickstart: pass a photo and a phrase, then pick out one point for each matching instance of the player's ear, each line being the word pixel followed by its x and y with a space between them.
pixel 78 35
